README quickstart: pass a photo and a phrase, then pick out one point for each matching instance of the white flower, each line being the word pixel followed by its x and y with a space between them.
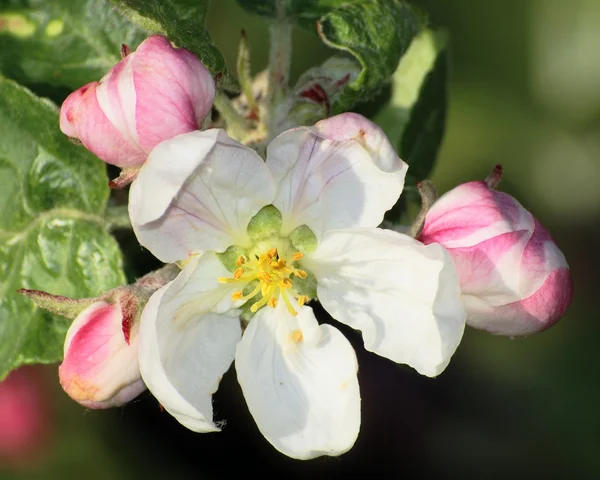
pixel 261 239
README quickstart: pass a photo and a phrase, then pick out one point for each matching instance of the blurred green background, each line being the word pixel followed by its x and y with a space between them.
pixel 524 92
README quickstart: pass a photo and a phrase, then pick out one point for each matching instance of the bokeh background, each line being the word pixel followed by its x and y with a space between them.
pixel 524 92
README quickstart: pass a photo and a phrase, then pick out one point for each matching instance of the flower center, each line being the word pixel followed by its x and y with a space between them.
pixel 273 274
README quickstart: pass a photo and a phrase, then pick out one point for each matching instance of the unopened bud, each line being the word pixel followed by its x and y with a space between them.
pixel 151 95
pixel 100 367
pixel 513 277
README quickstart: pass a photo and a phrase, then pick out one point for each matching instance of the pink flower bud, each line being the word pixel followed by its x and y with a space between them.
pixel 151 95
pixel 26 418
pixel 514 279
pixel 100 368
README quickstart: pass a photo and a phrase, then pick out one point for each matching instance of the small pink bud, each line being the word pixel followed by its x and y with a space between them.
pixel 514 279
pixel 26 418
pixel 151 95
pixel 100 368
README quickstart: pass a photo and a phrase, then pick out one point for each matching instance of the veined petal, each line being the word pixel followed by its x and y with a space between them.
pixel 330 178
pixel 197 192
pixel 117 98
pixel 402 295
pixel 299 380
pixel 187 342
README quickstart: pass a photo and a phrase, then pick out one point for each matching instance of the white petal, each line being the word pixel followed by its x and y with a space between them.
pixel 402 295
pixel 185 345
pixel 329 182
pixel 299 380
pixel 197 192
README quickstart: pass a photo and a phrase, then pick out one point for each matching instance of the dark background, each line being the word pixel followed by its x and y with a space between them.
pixel 524 92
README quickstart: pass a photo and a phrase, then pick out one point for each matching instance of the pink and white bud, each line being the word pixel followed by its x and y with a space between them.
pixel 100 367
pixel 151 95
pixel 513 277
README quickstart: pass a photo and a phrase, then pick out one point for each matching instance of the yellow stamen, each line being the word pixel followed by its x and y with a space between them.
pixel 238 273
pixel 302 299
pixel 237 295
pixel 272 273
pixel 288 304
pixel 300 273
pixel 264 277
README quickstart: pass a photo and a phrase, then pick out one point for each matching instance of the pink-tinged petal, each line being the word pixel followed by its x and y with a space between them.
pixel 69 108
pixel 533 314
pixel 100 369
pixel 342 173
pixel 198 192
pixel 174 89
pixel 188 336
pixel 519 291
pixel 352 126
pixel 299 380
pixel 117 98
pixel 514 279
pixel 82 118
pixel 403 296
pixel 151 95
pixel 472 213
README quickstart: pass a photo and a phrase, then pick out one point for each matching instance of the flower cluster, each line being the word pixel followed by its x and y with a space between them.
pixel 258 241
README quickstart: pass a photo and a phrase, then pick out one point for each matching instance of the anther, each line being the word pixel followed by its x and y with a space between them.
pixel 285 283
pixel 272 252
pixel 238 273
pixel 272 302
pixel 300 273
pixel 297 256
pixel 240 261
pixel 236 295
pixel 302 299
pixel 265 277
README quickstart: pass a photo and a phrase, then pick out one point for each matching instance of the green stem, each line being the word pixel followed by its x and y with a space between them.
pixel 280 54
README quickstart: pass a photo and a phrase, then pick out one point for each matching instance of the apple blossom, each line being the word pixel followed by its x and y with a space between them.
pixel 514 279
pixel 152 94
pixel 259 240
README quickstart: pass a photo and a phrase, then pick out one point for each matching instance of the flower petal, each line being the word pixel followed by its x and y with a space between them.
pixel 187 342
pixel 402 295
pixel 175 91
pixel 197 192
pixel 299 380
pixel 342 173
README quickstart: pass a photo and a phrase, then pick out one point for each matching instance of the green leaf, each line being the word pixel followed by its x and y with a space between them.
pixel 63 43
pixel 377 33
pixel 415 118
pixel 182 21
pixel 51 235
